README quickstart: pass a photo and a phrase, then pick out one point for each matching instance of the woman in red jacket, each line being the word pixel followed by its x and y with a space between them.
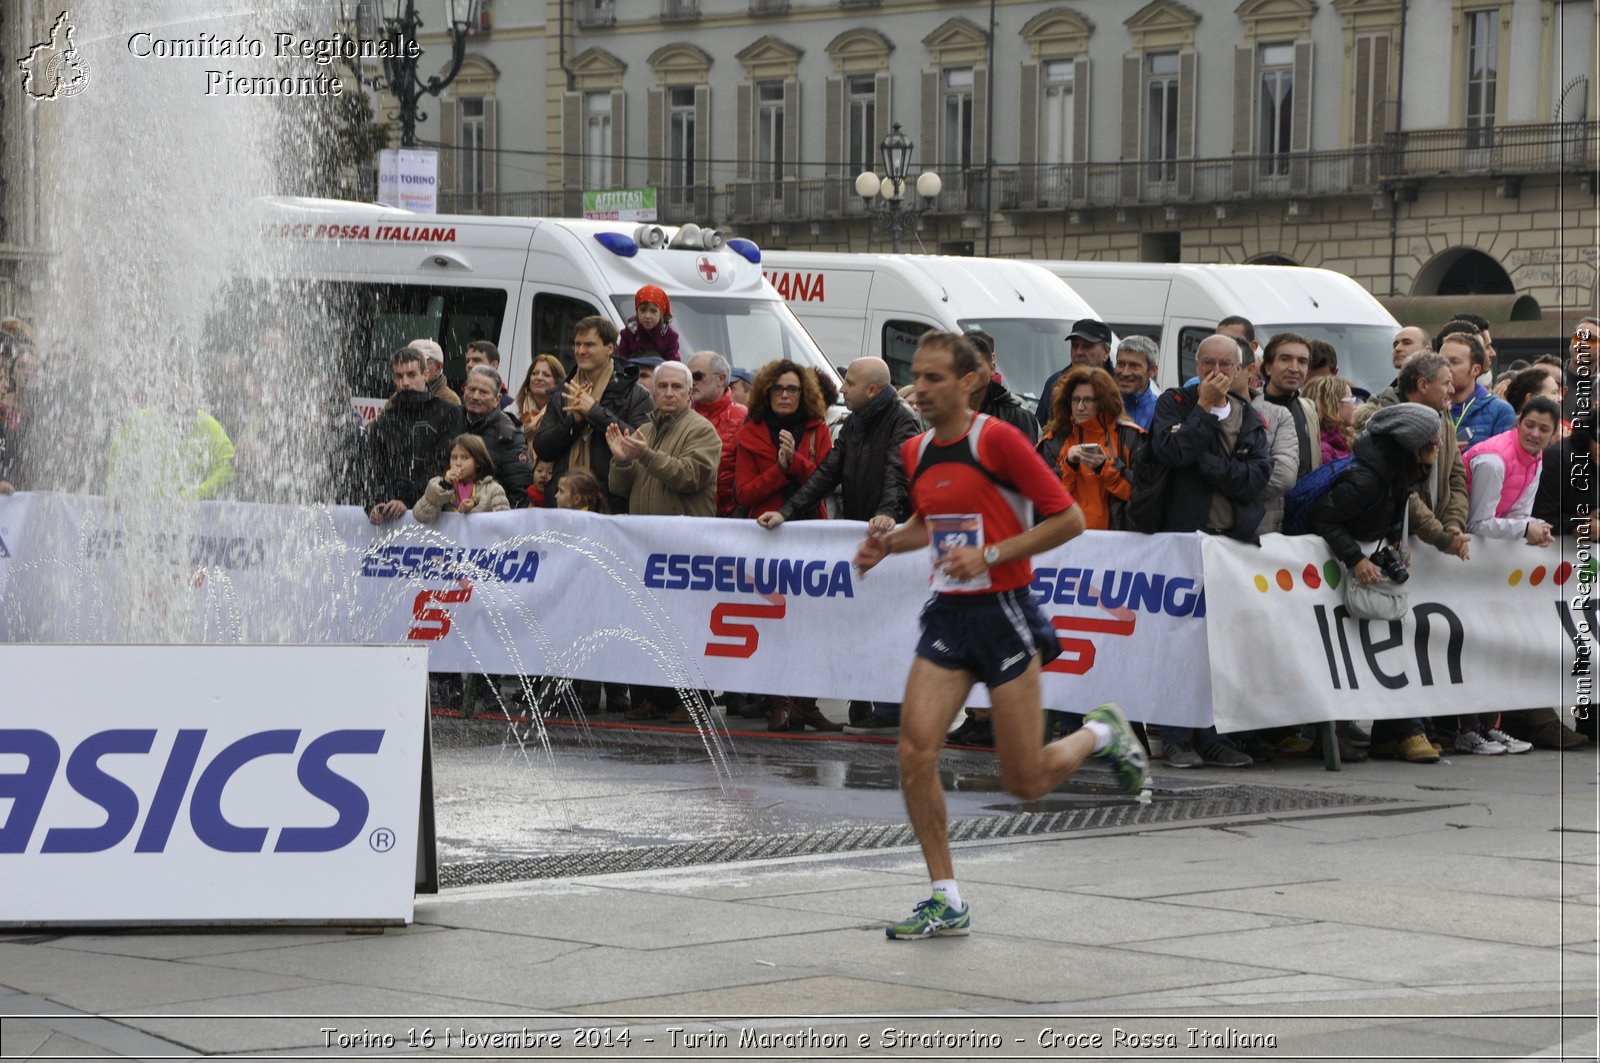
pixel 781 444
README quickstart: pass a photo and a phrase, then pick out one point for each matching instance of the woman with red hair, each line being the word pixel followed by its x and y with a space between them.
pixel 1090 444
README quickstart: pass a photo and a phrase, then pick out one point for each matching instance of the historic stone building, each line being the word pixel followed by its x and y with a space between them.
pixel 1422 146
pixel 22 124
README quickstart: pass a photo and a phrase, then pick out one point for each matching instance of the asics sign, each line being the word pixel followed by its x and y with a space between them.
pixel 191 767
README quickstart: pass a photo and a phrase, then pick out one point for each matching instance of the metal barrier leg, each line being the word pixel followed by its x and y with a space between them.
pixel 1330 745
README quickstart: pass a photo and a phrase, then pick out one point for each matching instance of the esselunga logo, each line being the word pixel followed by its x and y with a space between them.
pixel 1332 573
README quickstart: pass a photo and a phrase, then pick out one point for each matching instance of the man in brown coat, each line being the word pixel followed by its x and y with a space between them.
pixel 1439 506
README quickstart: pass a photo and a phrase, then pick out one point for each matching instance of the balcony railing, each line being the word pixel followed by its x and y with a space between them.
pixel 680 10
pixel 1569 147
pixel 593 14
pixel 769 7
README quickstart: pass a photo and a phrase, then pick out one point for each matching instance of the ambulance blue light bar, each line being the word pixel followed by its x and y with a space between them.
pixel 618 244
pixel 747 248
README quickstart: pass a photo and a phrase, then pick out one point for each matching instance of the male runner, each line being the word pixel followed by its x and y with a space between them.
pixel 972 481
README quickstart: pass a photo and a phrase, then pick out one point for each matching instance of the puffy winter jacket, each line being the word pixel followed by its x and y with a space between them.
pixel 727 417
pixel 1188 440
pixel 865 463
pixel 1439 504
pixel 409 444
pixel 1367 502
pixel 440 497
pixel 507 449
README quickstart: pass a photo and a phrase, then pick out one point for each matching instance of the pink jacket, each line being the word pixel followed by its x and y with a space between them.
pixel 1502 479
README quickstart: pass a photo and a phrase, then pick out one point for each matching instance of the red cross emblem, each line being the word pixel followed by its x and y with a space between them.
pixel 706 269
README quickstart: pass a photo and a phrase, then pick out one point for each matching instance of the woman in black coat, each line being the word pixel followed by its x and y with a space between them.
pixel 1367 503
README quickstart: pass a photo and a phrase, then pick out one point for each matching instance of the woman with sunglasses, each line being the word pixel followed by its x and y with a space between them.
pixel 780 446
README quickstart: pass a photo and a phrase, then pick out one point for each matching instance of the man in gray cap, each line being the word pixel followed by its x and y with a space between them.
pixel 1090 345
pixel 739 385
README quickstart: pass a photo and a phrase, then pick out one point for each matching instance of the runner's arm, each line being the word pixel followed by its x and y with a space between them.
pixel 1046 535
pixel 912 535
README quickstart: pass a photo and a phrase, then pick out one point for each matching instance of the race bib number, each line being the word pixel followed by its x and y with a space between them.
pixel 946 532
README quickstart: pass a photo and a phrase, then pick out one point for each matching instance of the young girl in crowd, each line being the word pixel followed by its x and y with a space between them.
pixel 467 486
pixel 650 330
pixel 579 489
pixel 1336 408
pixel 539 490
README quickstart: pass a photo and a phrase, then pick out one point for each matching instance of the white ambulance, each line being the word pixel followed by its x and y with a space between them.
pixel 878 305
pixel 380 277
pixel 1179 304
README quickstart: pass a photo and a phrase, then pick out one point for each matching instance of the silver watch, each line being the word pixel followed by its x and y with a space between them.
pixel 991 556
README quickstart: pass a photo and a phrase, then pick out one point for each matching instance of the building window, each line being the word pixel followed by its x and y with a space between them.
pixel 957 138
pixel 863 101
pixel 1483 65
pixel 1057 139
pixel 597 140
pixel 769 130
pixel 681 124
pixel 471 149
pixel 1276 108
pixel 1161 115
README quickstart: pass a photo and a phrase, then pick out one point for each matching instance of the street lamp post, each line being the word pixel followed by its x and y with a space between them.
pixel 400 66
pixel 891 214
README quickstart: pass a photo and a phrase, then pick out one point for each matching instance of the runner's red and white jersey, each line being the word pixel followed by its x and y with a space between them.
pixel 980 489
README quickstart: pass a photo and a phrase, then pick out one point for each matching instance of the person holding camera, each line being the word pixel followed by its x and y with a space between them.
pixel 1362 518
pixel 1090 444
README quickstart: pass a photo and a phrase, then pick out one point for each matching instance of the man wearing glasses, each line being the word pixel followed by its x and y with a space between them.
pixel 714 402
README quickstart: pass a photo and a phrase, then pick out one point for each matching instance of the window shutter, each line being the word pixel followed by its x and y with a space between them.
pixel 1028 133
pixel 791 147
pixel 1361 72
pixel 931 115
pixel 655 120
pixel 1381 123
pixel 1080 111
pixel 702 152
pixel 1244 110
pixel 1132 112
pixel 572 145
pixel 743 130
pixel 1187 110
pixel 619 139
pixel 449 137
pixel 836 127
pixel 491 158
pixel 1300 130
pixel 980 116
pixel 882 109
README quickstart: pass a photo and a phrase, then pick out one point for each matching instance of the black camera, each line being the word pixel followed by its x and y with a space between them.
pixel 1390 563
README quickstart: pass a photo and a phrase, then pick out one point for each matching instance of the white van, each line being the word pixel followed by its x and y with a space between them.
pixel 1179 305
pixel 878 305
pixel 381 277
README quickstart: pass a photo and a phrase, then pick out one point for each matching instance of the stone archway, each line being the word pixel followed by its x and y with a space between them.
pixel 1463 271
pixel 1270 258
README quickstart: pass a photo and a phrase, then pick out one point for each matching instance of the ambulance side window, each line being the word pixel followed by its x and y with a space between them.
pixel 553 319
pixel 899 344
pixel 1188 344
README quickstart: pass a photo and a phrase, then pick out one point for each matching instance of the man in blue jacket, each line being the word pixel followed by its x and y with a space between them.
pixel 1477 415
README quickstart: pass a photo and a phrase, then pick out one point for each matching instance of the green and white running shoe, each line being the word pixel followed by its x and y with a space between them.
pixel 1124 754
pixel 932 918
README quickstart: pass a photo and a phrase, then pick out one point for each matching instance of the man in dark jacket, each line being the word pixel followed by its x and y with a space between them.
pixel 992 397
pixel 480 397
pixel 1214 444
pixel 865 461
pixel 1090 344
pixel 409 442
pixel 601 392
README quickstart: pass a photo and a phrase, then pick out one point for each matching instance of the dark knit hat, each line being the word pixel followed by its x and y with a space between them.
pixel 1410 424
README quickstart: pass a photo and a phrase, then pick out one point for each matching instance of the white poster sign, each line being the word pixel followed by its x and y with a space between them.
pixel 389 177
pixel 207 784
pixel 1493 633
pixel 418 176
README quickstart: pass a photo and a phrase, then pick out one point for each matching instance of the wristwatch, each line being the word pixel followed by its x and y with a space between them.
pixel 991 556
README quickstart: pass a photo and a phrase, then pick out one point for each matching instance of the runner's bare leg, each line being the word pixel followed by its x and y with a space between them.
pixel 934 696
pixel 1026 769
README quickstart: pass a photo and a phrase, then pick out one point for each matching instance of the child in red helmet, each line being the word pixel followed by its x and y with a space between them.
pixel 649 331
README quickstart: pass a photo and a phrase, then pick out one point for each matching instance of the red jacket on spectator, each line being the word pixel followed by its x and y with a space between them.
pixel 760 484
pixel 727 417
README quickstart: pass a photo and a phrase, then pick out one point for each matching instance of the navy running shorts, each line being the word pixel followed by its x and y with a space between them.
pixel 993 636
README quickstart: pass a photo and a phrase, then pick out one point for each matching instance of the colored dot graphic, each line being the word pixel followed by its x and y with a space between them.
pixel 1332 573
pixel 1563 572
pixel 1515 578
pixel 1285 579
pixel 1310 578
pixel 1261 583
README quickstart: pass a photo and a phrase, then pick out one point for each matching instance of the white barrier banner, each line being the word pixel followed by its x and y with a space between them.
pixel 205 784
pixel 715 604
pixel 1500 631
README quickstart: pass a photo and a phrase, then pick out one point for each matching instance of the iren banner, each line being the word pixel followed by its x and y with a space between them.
pixel 1262 635
pixel 1505 630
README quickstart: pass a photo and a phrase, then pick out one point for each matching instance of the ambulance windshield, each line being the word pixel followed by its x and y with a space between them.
pixel 1027 350
pixel 748 332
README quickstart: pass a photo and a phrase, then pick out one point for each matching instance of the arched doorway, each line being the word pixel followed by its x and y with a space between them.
pixel 1271 258
pixel 1463 271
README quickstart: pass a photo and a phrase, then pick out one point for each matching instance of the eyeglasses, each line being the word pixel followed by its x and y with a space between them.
pixel 698 376
pixel 786 389
pixel 1083 400
pixel 1350 400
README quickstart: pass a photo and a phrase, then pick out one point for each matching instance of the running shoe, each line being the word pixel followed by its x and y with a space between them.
pixel 1124 754
pixel 1473 742
pixel 932 918
pixel 1513 745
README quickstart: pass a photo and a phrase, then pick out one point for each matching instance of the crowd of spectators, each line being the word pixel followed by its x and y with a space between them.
pixel 1448 452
